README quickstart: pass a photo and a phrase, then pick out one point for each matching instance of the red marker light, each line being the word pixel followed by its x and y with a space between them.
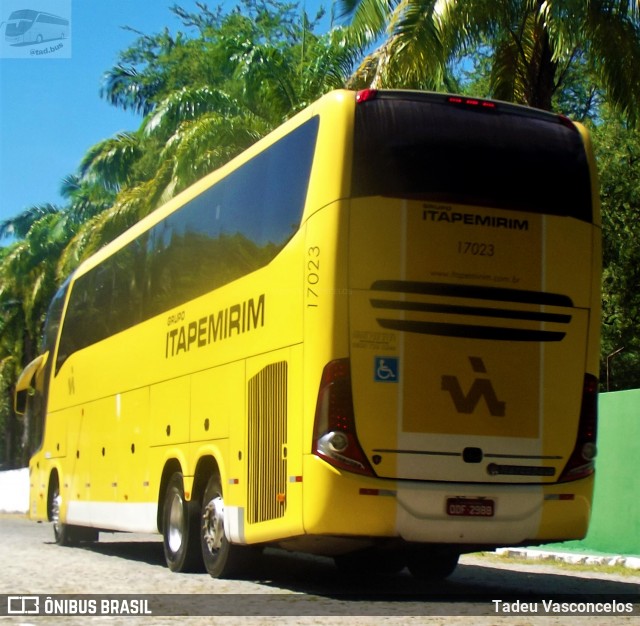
pixel 366 94
pixel 471 102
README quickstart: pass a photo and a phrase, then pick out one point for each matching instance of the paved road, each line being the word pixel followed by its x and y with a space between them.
pixel 30 563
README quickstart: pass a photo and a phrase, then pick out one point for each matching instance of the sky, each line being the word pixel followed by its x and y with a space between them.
pixel 51 111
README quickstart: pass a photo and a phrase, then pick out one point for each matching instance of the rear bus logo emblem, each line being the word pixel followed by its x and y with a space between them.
pixel 481 388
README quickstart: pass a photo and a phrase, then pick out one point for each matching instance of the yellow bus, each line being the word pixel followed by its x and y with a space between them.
pixel 372 336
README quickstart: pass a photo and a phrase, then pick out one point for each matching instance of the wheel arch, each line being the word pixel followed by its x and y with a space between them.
pixel 209 462
pixel 54 479
pixel 206 467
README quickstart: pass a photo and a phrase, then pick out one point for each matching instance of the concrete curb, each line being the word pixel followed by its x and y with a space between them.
pixel 574 558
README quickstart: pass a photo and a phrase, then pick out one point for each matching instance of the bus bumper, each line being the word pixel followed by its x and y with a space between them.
pixel 338 503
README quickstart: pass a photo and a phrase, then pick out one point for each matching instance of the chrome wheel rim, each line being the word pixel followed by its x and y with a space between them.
pixel 175 521
pixel 213 524
pixel 56 502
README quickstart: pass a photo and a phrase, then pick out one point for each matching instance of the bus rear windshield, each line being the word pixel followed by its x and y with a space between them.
pixel 436 148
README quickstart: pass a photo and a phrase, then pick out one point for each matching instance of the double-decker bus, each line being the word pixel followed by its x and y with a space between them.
pixel 373 336
pixel 27 26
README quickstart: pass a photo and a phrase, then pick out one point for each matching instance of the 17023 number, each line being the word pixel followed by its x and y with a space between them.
pixel 313 275
pixel 476 248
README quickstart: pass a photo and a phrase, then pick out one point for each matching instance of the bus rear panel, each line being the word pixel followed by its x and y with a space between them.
pixel 473 281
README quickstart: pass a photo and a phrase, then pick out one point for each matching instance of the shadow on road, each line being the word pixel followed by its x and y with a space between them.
pixel 312 575
pixel 117 545
pixel 303 574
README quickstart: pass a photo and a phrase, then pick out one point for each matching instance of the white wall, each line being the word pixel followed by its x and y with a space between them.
pixel 14 491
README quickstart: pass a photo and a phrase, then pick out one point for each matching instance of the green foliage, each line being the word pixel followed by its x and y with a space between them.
pixel 533 45
pixel 206 94
pixel 206 99
pixel 618 154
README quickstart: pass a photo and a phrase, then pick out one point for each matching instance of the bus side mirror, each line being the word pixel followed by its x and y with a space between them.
pixel 20 401
pixel 24 385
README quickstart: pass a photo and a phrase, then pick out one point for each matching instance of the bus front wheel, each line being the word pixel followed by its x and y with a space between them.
pixel 66 534
pixel 180 528
pixel 222 559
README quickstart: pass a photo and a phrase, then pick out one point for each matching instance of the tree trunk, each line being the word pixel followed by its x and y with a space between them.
pixel 542 72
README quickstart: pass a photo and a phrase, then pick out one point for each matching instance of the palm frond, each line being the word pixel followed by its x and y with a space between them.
pixel 612 41
pixel 20 225
pixel 124 87
pixel 371 17
pixel 110 162
pixel 186 104
pixel 416 56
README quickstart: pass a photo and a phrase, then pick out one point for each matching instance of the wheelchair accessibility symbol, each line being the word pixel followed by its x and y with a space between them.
pixel 386 369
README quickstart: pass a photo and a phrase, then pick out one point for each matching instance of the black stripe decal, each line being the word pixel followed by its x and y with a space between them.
pixel 471 332
pixel 474 292
pixel 469 310
pixel 458 454
pixel 423 452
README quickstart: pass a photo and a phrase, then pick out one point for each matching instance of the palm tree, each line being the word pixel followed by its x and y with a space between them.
pixel 204 100
pixel 28 280
pixel 20 225
pixel 11 346
pixel 268 65
pixel 533 44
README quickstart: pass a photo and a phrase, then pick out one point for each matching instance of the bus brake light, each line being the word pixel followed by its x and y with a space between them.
pixel 334 437
pixel 471 102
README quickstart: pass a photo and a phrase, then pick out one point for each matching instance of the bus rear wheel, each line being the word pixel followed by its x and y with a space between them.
pixel 431 564
pixel 370 562
pixel 180 528
pixel 222 559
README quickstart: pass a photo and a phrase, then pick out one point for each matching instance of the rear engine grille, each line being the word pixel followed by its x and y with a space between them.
pixel 267 469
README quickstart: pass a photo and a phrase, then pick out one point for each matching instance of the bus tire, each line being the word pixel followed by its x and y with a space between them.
pixel 69 535
pixel 222 559
pixel 55 502
pixel 180 528
pixel 431 564
pixel 66 534
pixel 370 562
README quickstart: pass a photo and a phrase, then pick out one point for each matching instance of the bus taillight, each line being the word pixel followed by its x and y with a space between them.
pixel 334 433
pixel 582 460
pixel 471 102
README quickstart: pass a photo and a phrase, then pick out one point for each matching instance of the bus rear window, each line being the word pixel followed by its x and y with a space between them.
pixel 423 146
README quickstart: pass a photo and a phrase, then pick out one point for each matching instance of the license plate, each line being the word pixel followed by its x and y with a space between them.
pixel 470 507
